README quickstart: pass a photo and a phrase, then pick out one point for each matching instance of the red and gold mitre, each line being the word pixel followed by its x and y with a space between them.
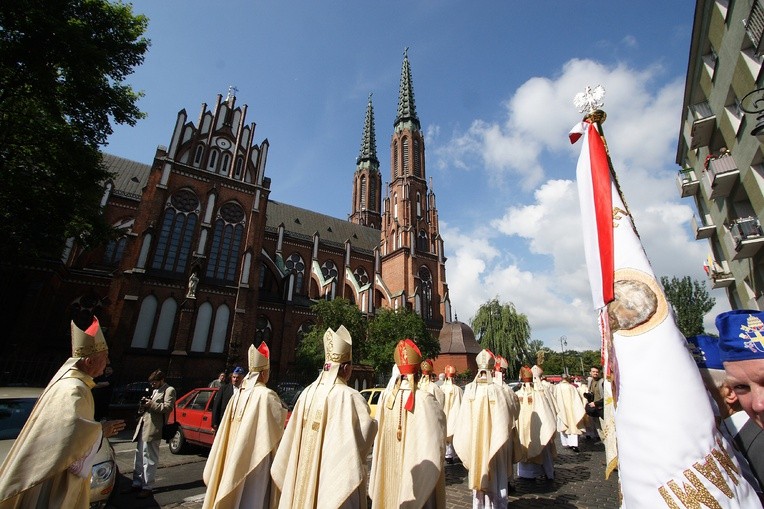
pixel 407 357
pixel 259 358
pixel 426 366
pixel 526 375
pixel 89 341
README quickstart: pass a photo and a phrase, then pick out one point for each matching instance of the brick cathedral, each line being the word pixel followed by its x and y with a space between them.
pixel 208 264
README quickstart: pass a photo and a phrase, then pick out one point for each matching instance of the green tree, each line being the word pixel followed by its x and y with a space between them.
pixel 503 330
pixel 690 301
pixel 330 313
pixel 390 326
pixel 62 69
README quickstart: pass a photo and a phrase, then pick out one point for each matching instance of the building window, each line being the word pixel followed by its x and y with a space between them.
pixel 735 116
pixel 165 325
pixel 115 249
pixel 198 155
pixel 418 205
pixel 361 276
pixel 220 329
pixel 372 192
pixel 178 225
pixel 363 193
pixel 239 166
pixel 395 206
pixel 329 270
pixel 213 160
pixel 226 242
pixel 395 159
pixel 425 291
pixel 263 330
pixel 754 25
pixel 295 265
pixel 406 169
pixel 225 164
pixel 202 328
pixel 301 332
pixel 145 323
pixel 417 160
pixel 422 244
pixel 709 62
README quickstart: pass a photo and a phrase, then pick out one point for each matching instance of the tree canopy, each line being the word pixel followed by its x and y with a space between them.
pixel 390 326
pixel 690 301
pixel 503 330
pixel 62 69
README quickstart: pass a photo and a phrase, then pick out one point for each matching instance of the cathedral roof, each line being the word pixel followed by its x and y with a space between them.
pixel 129 178
pixel 303 223
pixel 457 337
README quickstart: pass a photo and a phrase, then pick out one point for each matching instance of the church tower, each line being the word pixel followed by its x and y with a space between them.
pixel 367 181
pixel 412 258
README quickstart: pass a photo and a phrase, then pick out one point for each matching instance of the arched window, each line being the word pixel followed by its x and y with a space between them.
pixel 239 166
pixel 406 169
pixel 295 265
pixel 363 193
pixel 226 242
pixel 372 195
pixel 263 330
pixel 115 249
pixel 395 206
pixel 417 160
pixel 165 324
pixel 202 328
pixel 425 291
pixel 198 155
pixel 418 205
pixel 213 160
pixel 145 323
pixel 220 329
pixel 423 246
pixel 395 159
pixel 178 225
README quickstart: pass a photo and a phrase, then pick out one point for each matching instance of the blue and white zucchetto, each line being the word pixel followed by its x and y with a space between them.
pixel 705 351
pixel 238 370
pixel 741 335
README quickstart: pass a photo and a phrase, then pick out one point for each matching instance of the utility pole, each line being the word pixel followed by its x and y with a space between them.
pixel 563 344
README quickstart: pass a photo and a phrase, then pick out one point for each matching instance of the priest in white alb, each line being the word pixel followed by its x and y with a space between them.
pixel 321 462
pixel 482 438
pixel 570 413
pixel 237 473
pixel 452 394
pixel 536 425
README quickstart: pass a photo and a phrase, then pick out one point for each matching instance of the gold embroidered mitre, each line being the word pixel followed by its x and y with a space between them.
pixel 407 357
pixel 259 358
pixel 338 346
pixel 426 366
pixel 526 375
pixel 485 360
pixel 89 341
pixel 450 371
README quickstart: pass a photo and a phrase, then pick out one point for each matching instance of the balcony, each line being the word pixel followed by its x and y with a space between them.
pixel 704 229
pixel 720 275
pixel 720 176
pixel 687 182
pixel 744 238
pixel 703 124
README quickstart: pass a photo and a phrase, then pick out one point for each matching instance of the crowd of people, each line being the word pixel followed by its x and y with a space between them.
pixel 424 423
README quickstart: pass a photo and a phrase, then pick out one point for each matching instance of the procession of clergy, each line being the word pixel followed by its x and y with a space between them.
pixel 320 459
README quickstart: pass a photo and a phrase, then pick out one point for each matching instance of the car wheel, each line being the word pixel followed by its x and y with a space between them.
pixel 178 442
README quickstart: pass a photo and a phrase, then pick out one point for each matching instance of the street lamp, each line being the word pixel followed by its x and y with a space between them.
pixel 563 344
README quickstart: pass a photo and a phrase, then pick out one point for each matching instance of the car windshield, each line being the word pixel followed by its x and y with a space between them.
pixel 14 413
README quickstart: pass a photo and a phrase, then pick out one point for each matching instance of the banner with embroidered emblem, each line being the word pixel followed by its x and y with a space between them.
pixel 670 453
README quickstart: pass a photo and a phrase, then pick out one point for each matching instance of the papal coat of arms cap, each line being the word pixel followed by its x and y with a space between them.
pixel 741 335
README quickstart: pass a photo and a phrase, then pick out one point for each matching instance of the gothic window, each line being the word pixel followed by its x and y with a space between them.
pixel 406 169
pixel 425 291
pixel 165 324
pixel 372 194
pixel 395 159
pixel 239 166
pixel 263 330
pixel 395 206
pixel 198 155
pixel 361 276
pixel 225 164
pixel 295 265
pixel 213 160
pixel 329 270
pixel 145 323
pixel 417 160
pixel 418 205
pixel 423 245
pixel 115 249
pixel 219 329
pixel 202 328
pixel 177 231
pixel 363 193
pixel 226 242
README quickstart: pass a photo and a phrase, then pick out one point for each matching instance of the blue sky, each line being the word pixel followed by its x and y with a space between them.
pixel 493 82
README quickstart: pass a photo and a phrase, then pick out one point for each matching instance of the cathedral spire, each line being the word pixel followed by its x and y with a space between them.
pixel 406 115
pixel 368 152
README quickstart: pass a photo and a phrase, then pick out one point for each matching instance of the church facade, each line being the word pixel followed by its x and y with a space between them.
pixel 208 264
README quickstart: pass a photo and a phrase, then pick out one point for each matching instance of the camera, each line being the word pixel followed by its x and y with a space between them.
pixel 143 402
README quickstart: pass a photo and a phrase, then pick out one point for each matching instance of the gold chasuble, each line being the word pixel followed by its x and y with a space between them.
pixel 407 462
pixel 321 462
pixel 570 409
pixel 536 423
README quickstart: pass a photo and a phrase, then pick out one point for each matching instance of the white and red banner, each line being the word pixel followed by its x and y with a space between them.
pixel 670 453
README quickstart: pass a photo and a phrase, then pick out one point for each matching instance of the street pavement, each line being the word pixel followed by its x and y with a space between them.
pixel 579 481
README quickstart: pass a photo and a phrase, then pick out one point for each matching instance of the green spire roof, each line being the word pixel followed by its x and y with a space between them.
pixel 406 108
pixel 368 150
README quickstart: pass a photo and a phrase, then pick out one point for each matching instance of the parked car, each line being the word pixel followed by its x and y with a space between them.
pixel 193 413
pixel 372 398
pixel 16 405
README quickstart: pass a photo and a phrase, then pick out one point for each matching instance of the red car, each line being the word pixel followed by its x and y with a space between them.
pixel 193 413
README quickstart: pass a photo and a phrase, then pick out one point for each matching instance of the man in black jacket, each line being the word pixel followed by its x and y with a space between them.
pixel 220 401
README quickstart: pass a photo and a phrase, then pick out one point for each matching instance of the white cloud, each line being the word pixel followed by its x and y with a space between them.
pixel 532 255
